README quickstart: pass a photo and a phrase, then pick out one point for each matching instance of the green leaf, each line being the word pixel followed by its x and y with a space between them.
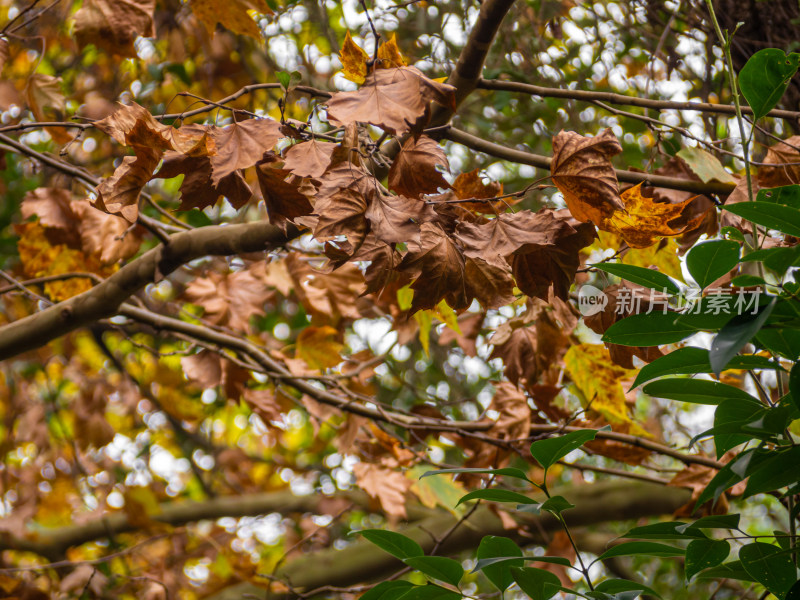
pixel 788 195
pixel 495 495
pixel 730 421
pixel 717 522
pixel 556 505
pixel 731 474
pixel 709 261
pixel 794 384
pixel 654 329
pixel 537 583
pixel 747 280
pixel 736 333
pixel 770 215
pixel 430 592
pixel 769 566
pixel 486 562
pixel 387 590
pixel 615 586
pixel 549 451
pixel 794 592
pixel 778 260
pixel 783 341
pixel 697 391
pixel 644 277
pixel 731 570
pixel 765 77
pixel 508 472
pixel 703 554
pixel 438 567
pixel 691 360
pixel 641 549
pixel 394 543
pixel 499 574
pixel 670 530
pixel 780 469
pixel 705 165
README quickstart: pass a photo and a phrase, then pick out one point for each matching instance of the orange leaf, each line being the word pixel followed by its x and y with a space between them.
pixel 389 54
pixel 354 60
pixel 318 347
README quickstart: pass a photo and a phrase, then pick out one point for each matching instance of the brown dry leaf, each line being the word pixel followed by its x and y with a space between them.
pixel 47 103
pixel 384 260
pixel 784 154
pixel 392 99
pixel 354 60
pixel 489 283
pixel 471 185
pixel 631 455
pixel 309 159
pixel 396 219
pixel 389 54
pixel 132 125
pixel 230 299
pixel 231 14
pixel 241 145
pixel 265 404
pixel 108 237
pixel 119 194
pixel 284 200
pixel 319 347
pixel 413 172
pixel 113 25
pixel 542 270
pixel 388 486
pixel 514 420
pixel 203 368
pixel 582 171
pixel 642 222
pixel 53 208
pixel 328 297
pixel 197 189
pixel 438 266
pixel 341 204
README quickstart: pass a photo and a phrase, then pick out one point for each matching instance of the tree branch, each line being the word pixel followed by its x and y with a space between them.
pixel 543 162
pixel 104 299
pixel 591 96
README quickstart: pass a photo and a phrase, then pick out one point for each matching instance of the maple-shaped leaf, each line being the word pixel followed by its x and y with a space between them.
pixel 392 99
pixel 133 125
pixel 389 55
pixel 413 172
pixel 383 259
pixel 284 200
pixel 342 202
pixel 319 347
pixel 581 169
pixel 387 486
pixel 328 297
pixel 396 219
pixel 241 145
pixel 590 368
pixel 230 299
pixel 48 103
pixel 513 233
pixel 197 189
pixel 309 159
pixel 471 185
pixel 642 222
pixel 438 265
pixel 543 248
pixel 489 283
pixel 354 60
pixel 119 194
pixel 53 207
pixel 231 14
pixel 781 164
pixel 113 25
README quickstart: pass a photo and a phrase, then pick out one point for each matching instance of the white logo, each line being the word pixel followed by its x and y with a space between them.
pixel 591 300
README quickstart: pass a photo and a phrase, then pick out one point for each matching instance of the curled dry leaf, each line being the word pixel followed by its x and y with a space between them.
pixel 396 219
pixel 284 200
pixel 392 99
pixel 471 185
pixel 47 103
pixel 582 171
pixel 781 166
pixel 514 419
pixel 197 189
pixel 53 207
pixel 387 486
pixel 642 222
pixel 119 194
pixel 309 159
pixel 231 14
pixel 413 172
pixel 113 25
pixel 232 298
pixel 132 125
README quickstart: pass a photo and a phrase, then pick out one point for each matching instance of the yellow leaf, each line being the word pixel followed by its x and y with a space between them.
pixel 448 316
pixel 664 256
pixel 318 347
pixel 425 320
pixel 439 490
pixel 231 14
pixel 598 379
pixel 389 55
pixel 354 60
pixel 643 222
